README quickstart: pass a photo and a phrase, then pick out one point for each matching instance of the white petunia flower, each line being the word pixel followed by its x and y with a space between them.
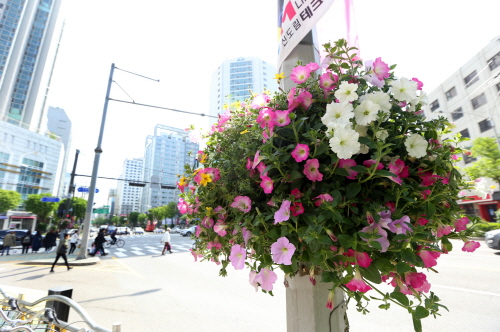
pixel 338 113
pixel 382 135
pixel 345 143
pixel 346 92
pixel 364 149
pixel 416 146
pixel 404 89
pixel 366 112
pixel 362 130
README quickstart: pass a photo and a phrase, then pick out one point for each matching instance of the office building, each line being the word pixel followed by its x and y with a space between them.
pixel 166 153
pixel 59 124
pixel 470 98
pixel 128 195
pixel 237 79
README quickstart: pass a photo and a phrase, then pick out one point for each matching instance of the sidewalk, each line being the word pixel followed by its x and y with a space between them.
pixel 45 259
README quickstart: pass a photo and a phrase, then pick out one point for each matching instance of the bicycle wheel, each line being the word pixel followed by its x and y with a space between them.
pixel 120 243
pixel 107 245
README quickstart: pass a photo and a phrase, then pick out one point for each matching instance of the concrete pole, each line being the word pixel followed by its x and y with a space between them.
pixel 98 150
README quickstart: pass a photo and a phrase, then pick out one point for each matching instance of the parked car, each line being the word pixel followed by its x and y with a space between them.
pixel 188 231
pixel 175 230
pixel 492 239
pixel 123 231
pixel 20 233
pixel 137 230
pixel 159 230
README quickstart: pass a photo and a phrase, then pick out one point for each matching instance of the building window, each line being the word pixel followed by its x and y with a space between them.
pixel 494 62
pixel 451 93
pixel 465 133
pixel 457 114
pixel 478 101
pixel 471 79
pixel 485 125
pixel 434 105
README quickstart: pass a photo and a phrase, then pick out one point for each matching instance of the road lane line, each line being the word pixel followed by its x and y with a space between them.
pixel 467 290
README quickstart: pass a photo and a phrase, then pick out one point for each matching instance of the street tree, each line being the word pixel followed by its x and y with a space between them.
pixel 9 199
pixel 78 207
pixel 43 210
pixel 141 219
pixel 171 210
pixel 133 217
pixel 488 165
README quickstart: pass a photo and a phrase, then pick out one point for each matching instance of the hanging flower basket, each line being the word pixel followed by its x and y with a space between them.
pixel 341 174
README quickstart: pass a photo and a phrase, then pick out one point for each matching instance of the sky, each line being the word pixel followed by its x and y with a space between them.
pixel 182 43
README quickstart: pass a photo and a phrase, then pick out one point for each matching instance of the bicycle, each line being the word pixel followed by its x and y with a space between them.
pixel 119 243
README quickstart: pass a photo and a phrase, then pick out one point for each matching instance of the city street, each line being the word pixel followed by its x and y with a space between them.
pixel 149 292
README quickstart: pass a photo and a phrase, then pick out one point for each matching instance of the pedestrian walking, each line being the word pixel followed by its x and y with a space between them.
pixel 99 241
pixel 27 240
pixel 62 248
pixel 36 242
pixel 50 240
pixel 9 241
pixel 74 240
pixel 166 239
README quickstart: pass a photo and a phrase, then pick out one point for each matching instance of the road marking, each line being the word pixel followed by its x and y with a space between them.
pixel 155 251
pixel 135 248
pixel 128 268
pixel 140 253
pixel 467 290
pixel 121 249
pixel 120 254
pixel 149 247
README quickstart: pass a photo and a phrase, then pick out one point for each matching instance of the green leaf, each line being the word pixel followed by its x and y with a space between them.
pixel 400 297
pixel 364 140
pixel 341 171
pixel 360 169
pixel 321 149
pixel 402 267
pixel 420 312
pixel 314 245
pixel 417 324
pixel 345 65
pixel 383 264
pixel 352 189
pixel 400 237
pixel 430 209
pixel 337 216
pixel 371 273
pixel 346 241
pixel 324 239
pixel 382 172
pixel 284 157
pixel 375 244
pixel 295 175
pixel 408 255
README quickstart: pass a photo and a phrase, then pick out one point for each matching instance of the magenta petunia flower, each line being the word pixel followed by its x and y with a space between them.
pixel 311 170
pixel 398 168
pixel 262 167
pixel 381 69
pixel 328 81
pixel 266 118
pixel 347 164
pixel 283 214
pixel 429 257
pixel 297 209
pixel 242 203
pixel 293 103
pixel 313 66
pixel 256 159
pixel 300 74
pixel 357 284
pixel 460 224
pixel 419 83
pixel 301 152
pixel 370 162
pixel 266 278
pixel 400 226
pixel 422 221
pixel 282 251
pixel 207 222
pixel 471 246
pixel 305 99
pixel 182 205
pixel 417 281
pixel 296 193
pixel 260 101
pixel 267 184
pixel 281 118
pixel 443 230
pixel 361 258
pixel 322 199
pixel 238 256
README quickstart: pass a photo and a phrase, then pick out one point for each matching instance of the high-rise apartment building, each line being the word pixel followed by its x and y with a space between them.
pixel 237 79
pixel 27 52
pixel 470 98
pixel 59 124
pixel 166 153
pixel 129 196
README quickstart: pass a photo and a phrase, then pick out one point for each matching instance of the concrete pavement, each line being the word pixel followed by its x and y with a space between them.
pixel 46 259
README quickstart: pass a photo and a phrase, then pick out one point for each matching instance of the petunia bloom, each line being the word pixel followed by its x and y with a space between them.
pixel 281 118
pixel 283 214
pixel 416 146
pixel 460 224
pixel 361 258
pixel 297 209
pixel 242 203
pixel 345 143
pixel 220 228
pixel 366 112
pixel 357 284
pixel 301 152
pixel 238 256
pixel 311 170
pixel 340 113
pixel 282 251
pixel 266 278
pixel 429 257
pixel 400 226
pixel 346 92
pixel 267 184
pixel 404 89
pixel 300 74
pixel 251 279
pixel 322 199
pixel 470 246
pixel 347 164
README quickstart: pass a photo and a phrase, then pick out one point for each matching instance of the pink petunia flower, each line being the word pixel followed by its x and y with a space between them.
pixel 470 246
pixel 266 278
pixel 283 214
pixel 329 301
pixel 357 284
pixel 251 279
pixel 293 103
pixel 249 164
pixel 220 228
pixel 391 206
pixel 267 184
pixel 195 254
pixel 313 66
pixel 422 221
pixel 256 159
pixel 419 83
pixel 398 168
pixel 370 162
pixel 429 257
pixel 460 224
pixel 301 152
pixel 213 244
pixel 282 251
pixel 417 281
pixel 380 69
pixel 182 205
pixel 361 258
pixel 311 170
pixel 262 167
pixel 242 203
pixel 328 81
pixel 282 119
pixel 296 193
pixel 300 74
pixel 305 99
pixel 266 118
pixel 247 235
pixel 207 222
pixel 443 230
pixel 297 209
pixel 347 164
pixel 260 101
pixel 322 199
pixel 400 226
pixel 238 256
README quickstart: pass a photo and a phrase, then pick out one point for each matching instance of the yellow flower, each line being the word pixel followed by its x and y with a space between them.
pixel 209 210
pixel 279 77
pixel 183 181
pixel 205 179
pixel 245 131
pixel 203 159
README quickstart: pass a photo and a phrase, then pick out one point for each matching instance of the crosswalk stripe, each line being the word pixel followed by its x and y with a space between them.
pixel 120 254
pixel 155 251
pixel 135 248
pixel 140 253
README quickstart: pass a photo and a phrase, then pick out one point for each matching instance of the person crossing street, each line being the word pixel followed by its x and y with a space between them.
pixel 166 239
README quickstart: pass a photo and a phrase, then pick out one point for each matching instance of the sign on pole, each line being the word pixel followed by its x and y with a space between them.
pixel 50 199
pixel 296 19
pixel 86 190
pixel 101 211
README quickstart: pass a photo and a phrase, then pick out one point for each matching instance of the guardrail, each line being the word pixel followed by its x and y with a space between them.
pixel 22 307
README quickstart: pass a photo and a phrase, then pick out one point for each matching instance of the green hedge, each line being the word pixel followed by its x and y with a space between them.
pixel 480 229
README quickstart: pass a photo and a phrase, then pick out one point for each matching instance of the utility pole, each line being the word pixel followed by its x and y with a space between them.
pixel 71 189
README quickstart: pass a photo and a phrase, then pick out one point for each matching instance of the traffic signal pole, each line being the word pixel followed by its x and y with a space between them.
pixel 71 183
